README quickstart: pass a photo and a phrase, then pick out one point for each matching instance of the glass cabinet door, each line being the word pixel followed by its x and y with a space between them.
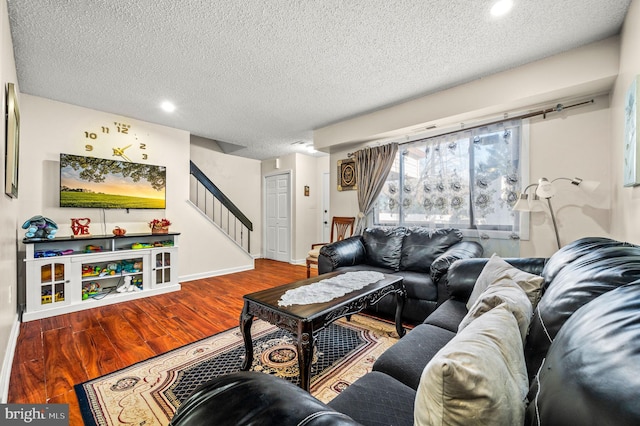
pixel 162 267
pixel 53 283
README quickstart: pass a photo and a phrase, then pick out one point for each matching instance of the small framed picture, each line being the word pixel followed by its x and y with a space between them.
pixel 631 175
pixel 12 142
pixel 346 175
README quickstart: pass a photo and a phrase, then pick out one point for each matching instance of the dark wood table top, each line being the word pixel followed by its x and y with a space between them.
pixel 270 297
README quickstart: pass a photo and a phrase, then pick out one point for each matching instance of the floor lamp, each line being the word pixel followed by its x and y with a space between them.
pixel 545 189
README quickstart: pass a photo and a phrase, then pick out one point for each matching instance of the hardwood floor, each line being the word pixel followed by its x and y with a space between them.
pixel 54 354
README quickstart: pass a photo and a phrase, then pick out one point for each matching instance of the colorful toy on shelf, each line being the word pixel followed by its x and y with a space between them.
pixel 131 266
pixel 127 286
pixel 138 246
pixel 114 268
pixel 80 226
pixel 90 289
pixel 119 232
pixel 137 281
pixel 166 243
pixel 45 297
pixel 91 270
pixel 40 228
pixel 52 253
pixel 92 249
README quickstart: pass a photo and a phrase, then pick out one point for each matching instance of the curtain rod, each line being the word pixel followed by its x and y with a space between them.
pixel 542 112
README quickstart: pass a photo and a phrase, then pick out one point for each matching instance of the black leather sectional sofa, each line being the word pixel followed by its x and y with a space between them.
pixel 420 255
pixel 582 353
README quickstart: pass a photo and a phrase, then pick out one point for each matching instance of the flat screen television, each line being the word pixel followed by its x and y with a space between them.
pixel 111 184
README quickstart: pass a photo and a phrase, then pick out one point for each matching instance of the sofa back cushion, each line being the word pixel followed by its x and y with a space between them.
pixel 573 251
pixel 597 272
pixel 422 245
pixel 497 269
pixel 383 246
pixel 502 291
pixel 590 375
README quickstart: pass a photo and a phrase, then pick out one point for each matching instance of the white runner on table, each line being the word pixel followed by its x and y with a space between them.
pixel 329 288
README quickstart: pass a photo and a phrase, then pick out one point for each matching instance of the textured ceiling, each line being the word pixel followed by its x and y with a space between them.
pixel 259 76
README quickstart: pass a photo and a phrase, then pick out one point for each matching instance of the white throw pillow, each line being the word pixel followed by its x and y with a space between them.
pixel 506 291
pixel 478 378
pixel 496 269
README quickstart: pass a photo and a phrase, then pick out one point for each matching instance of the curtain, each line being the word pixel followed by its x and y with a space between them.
pixel 372 168
pixel 467 180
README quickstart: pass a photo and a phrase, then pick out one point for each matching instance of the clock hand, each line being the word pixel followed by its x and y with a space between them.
pixel 120 152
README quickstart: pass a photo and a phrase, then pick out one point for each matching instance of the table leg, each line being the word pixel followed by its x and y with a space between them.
pixel 246 320
pixel 305 356
pixel 400 297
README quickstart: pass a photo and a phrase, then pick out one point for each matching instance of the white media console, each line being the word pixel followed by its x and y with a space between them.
pixel 68 274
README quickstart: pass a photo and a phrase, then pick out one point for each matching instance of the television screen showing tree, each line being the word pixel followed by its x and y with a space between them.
pixel 111 184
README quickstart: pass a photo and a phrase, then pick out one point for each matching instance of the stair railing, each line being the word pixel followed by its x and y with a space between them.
pixel 218 208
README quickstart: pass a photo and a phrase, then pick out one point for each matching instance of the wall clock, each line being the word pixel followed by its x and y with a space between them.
pixel 120 139
pixel 630 165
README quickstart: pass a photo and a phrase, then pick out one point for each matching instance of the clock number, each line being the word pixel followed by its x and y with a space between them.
pixel 144 156
pixel 88 147
pixel 105 129
pixel 122 128
pixel 143 146
pixel 90 135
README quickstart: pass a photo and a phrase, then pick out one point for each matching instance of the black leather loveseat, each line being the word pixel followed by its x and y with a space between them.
pixel 420 255
pixel 582 353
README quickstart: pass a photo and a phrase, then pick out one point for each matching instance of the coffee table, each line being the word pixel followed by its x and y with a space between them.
pixel 306 321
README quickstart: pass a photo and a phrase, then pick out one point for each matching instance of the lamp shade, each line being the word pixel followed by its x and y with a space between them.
pixel 536 205
pixel 586 185
pixel 545 189
pixel 522 205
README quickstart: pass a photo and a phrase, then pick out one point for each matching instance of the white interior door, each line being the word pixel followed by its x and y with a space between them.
pixel 278 220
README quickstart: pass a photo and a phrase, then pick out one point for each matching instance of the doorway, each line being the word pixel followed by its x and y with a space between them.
pixel 278 217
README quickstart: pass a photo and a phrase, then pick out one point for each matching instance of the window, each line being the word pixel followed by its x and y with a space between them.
pixel 467 180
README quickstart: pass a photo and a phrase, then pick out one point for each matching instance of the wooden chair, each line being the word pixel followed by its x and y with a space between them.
pixel 341 225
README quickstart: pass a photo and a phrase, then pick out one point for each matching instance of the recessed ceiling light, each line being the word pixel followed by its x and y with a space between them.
pixel 501 7
pixel 168 106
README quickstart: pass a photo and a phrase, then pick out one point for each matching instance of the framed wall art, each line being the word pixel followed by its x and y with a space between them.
pixel 631 176
pixel 12 149
pixel 346 175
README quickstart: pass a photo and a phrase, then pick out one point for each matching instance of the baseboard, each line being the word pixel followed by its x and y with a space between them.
pixel 5 373
pixel 216 273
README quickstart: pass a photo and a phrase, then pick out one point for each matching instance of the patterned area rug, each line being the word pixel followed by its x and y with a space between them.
pixel 149 392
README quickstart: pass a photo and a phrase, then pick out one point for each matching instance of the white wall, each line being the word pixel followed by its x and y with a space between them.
pixel 8 220
pixel 50 127
pixel 626 201
pixel 574 143
pixel 586 70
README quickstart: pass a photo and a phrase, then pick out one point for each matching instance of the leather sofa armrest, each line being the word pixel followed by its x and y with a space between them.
pixel 347 252
pixel 253 398
pixel 462 275
pixel 442 263
pixel 461 250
